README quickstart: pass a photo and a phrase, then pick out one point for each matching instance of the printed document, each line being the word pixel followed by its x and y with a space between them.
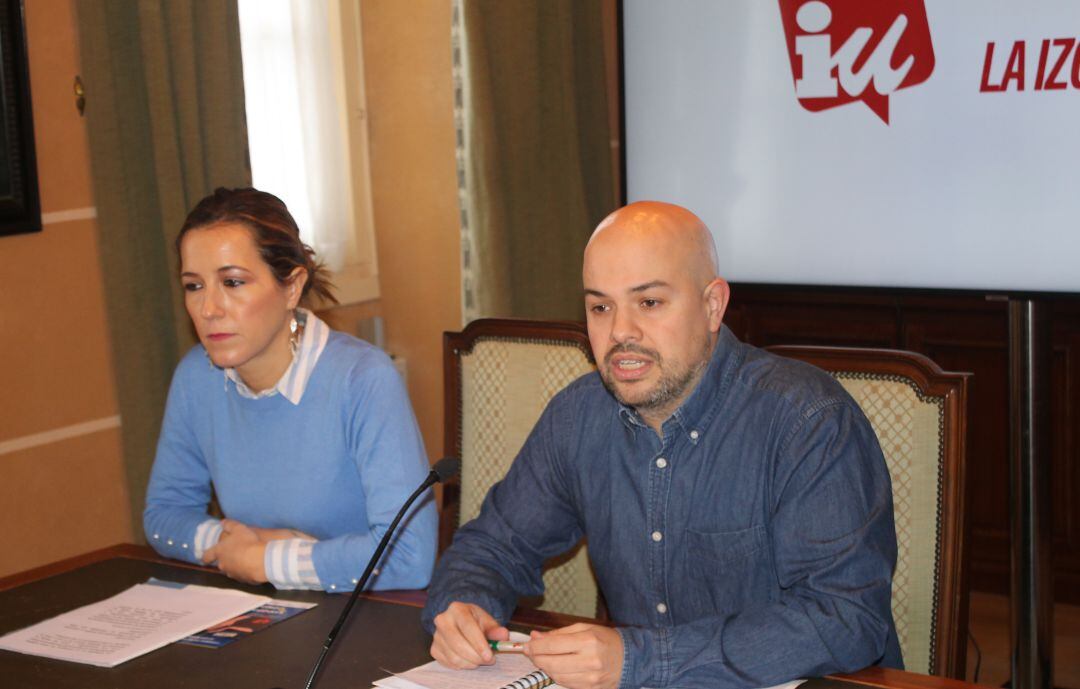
pixel 139 620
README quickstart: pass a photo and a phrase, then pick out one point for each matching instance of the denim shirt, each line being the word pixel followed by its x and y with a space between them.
pixel 750 545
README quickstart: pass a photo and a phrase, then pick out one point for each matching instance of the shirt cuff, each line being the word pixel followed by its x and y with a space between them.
pixel 646 657
pixel 206 537
pixel 289 566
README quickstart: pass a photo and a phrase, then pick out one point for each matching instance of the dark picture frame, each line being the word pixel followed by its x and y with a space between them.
pixel 20 204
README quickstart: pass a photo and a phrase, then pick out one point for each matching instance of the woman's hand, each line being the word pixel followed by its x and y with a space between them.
pixel 267 535
pixel 239 553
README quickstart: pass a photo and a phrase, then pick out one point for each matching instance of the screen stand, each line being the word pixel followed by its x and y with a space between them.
pixel 1032 582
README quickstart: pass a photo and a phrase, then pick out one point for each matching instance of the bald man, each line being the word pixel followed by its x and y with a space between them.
pixel 736 504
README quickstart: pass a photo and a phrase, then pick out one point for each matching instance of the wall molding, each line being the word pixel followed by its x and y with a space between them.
pixel 57 434
pixel 69 215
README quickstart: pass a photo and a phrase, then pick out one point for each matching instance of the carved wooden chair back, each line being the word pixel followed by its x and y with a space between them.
pixel 918 412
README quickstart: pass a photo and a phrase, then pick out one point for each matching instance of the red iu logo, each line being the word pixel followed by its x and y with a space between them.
pixel 847 50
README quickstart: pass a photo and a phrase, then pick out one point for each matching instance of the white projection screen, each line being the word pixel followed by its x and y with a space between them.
pixel 896 143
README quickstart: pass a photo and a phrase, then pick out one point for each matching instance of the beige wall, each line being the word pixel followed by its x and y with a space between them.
pixel 61 478
pixel 414 190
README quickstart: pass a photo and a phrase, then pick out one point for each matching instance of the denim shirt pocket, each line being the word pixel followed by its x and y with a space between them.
pixel 729 570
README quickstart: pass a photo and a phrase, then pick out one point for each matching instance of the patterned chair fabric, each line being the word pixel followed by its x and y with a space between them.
pixel 908 429
pixel 506 378
pixel 919 433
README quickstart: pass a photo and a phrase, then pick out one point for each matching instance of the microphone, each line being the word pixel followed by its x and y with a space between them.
pixel 443 470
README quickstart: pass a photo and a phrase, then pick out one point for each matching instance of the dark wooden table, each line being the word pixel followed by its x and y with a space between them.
pixel 383 635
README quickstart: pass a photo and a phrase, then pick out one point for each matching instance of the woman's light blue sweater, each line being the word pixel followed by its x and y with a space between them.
pixel 337 466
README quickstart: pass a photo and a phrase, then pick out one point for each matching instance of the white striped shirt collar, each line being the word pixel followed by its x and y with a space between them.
pixel 294 381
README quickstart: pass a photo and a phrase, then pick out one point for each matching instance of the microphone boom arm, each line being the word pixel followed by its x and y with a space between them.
pixel 443 470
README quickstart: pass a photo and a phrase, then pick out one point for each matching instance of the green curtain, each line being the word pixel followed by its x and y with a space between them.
pixel 166 125
pixel 534 152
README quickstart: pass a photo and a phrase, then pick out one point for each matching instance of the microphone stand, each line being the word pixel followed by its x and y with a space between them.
pixel 445 468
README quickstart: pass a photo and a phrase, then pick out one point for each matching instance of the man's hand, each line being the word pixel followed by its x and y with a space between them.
pixel 461 638
pixel 581 656
pixel 239 553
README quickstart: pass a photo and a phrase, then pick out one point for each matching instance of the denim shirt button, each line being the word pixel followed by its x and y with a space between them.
pixel 661 608
pixel 657 536
pixel 661 462
pixel 694 435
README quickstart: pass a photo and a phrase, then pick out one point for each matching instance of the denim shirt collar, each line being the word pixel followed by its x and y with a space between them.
pixel 696 413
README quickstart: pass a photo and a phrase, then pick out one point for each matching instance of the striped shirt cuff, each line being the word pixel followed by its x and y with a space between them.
pixel 206 536
pixel 289 565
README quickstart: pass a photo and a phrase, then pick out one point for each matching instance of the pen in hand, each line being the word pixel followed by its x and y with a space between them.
pixel 533 680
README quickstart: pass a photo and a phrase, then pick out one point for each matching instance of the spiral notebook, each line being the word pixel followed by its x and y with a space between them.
pixel 510 671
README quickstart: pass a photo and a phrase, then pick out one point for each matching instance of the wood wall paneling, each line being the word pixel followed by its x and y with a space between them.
pixel 971 334
pixel 1065 471
pixel 767 317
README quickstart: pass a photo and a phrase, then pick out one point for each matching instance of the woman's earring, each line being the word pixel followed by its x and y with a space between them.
pixel 294 337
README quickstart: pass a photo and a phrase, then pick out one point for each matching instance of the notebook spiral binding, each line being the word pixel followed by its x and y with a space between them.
pixel 533 680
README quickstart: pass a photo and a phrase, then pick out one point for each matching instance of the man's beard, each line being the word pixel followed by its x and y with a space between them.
pixel 673 385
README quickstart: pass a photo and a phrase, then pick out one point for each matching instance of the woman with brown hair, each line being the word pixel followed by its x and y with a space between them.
pixel 305 435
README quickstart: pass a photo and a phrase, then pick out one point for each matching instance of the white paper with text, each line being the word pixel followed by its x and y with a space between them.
pixel 139 620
